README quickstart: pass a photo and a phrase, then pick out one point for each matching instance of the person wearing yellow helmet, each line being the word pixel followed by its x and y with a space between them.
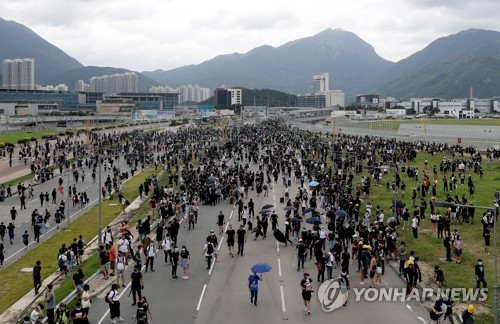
pixel 409 274
pixel 467 317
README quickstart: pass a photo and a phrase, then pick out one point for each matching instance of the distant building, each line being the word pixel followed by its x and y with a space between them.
pixel 228 96
pixel 368 100
pixel 18 74
pixel 81 86
pixel 321 82
pixel 117 83
pixel 323 97
pixel 148 101
pixel 58 88
pixel 26 108
pixel 188 93
pixel 115 107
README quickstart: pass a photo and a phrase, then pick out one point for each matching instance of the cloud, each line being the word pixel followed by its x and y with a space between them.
pixel 152 34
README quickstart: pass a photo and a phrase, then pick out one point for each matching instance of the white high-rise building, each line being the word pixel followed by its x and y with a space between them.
pixel 187 92
pixel 117 83
pixel 321 82
pixel 81 86
pixel 18 74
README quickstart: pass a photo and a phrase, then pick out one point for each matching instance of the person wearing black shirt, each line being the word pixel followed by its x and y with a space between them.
pixel 78 280
pixel 479 270
pixel 137 283
pixel 230 239
pixel 175 262
pixel 447 246
pixel 241 236
pixel 37 276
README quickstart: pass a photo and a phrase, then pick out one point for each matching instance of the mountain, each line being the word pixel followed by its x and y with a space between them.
pixel 18 41
pixel 447 68
pixel 86 72
pixel 352 63
pixel 52 65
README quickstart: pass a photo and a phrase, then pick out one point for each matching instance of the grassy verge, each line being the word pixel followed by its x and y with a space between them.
pixel 428 247
pixel 15 283
pixel 14 137
pixel 16 181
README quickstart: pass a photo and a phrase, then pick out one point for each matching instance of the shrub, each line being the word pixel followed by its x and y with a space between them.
pixel 62 134
pixel 2 145
pixel 21 141
pixel 69 132
pixel 33 139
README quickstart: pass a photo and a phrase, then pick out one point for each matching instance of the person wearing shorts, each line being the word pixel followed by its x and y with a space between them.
pixel 185 262
pixel 306 292
pixel 120 269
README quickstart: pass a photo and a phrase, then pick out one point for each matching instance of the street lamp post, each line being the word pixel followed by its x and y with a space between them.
pixel 495 254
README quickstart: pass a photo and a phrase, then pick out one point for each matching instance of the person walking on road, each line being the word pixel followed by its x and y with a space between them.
pixel 167 249
pixel 230 239
pixel 208 250
pixel 220 222
pixel 114 305
pixel 120 269
pixel 307 290
pixel 185 262
pixel 26 239
pixel 151 252
pixel 175 261
pixel 13 215
pixel 137 284
pixel 242 238
pixel 253 286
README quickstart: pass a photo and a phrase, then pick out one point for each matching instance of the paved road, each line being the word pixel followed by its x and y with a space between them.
pixel 23 220
pixel 220 295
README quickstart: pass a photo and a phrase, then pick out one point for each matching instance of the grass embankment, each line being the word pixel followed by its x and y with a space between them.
pixel 16 284
pixel 428 247
pixel 14 137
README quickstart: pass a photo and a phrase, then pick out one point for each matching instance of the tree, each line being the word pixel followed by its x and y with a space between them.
pixel 430 111
pixel 411 111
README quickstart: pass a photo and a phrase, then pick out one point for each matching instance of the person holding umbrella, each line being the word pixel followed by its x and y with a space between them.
pixel 253 286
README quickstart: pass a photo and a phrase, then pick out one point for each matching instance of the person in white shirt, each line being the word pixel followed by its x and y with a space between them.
pixel 150 252
pixel 381 217
pixel 108 238
pixel 120 269
pixel 414 226
pixel 123 247
pixel 322 237
pixel 167 248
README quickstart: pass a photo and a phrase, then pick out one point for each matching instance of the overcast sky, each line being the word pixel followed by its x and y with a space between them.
pixel 164 34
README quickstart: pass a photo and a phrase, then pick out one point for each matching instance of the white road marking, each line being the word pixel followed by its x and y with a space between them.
pixel 52 229
pixel 279 267
pixel 201 297
pixel 283 299
pixel 120 296
pixel 277 246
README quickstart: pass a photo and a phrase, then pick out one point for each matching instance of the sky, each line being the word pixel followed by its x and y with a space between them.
pixel 146 35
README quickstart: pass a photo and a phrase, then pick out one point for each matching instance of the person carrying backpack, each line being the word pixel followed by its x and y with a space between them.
pixel 208 249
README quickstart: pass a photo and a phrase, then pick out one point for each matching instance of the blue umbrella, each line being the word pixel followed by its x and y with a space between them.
pixel 313 183
pixel 308 210
pixel 265 211
pixel 340 213
pixel 289 208
pixel 295 220
pixel 261 268
pixel 313 220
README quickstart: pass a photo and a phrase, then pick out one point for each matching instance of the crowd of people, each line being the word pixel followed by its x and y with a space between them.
pixel 258 157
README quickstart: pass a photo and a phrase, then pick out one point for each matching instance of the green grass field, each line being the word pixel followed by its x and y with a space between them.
pixel 14 137
pixel 428 247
